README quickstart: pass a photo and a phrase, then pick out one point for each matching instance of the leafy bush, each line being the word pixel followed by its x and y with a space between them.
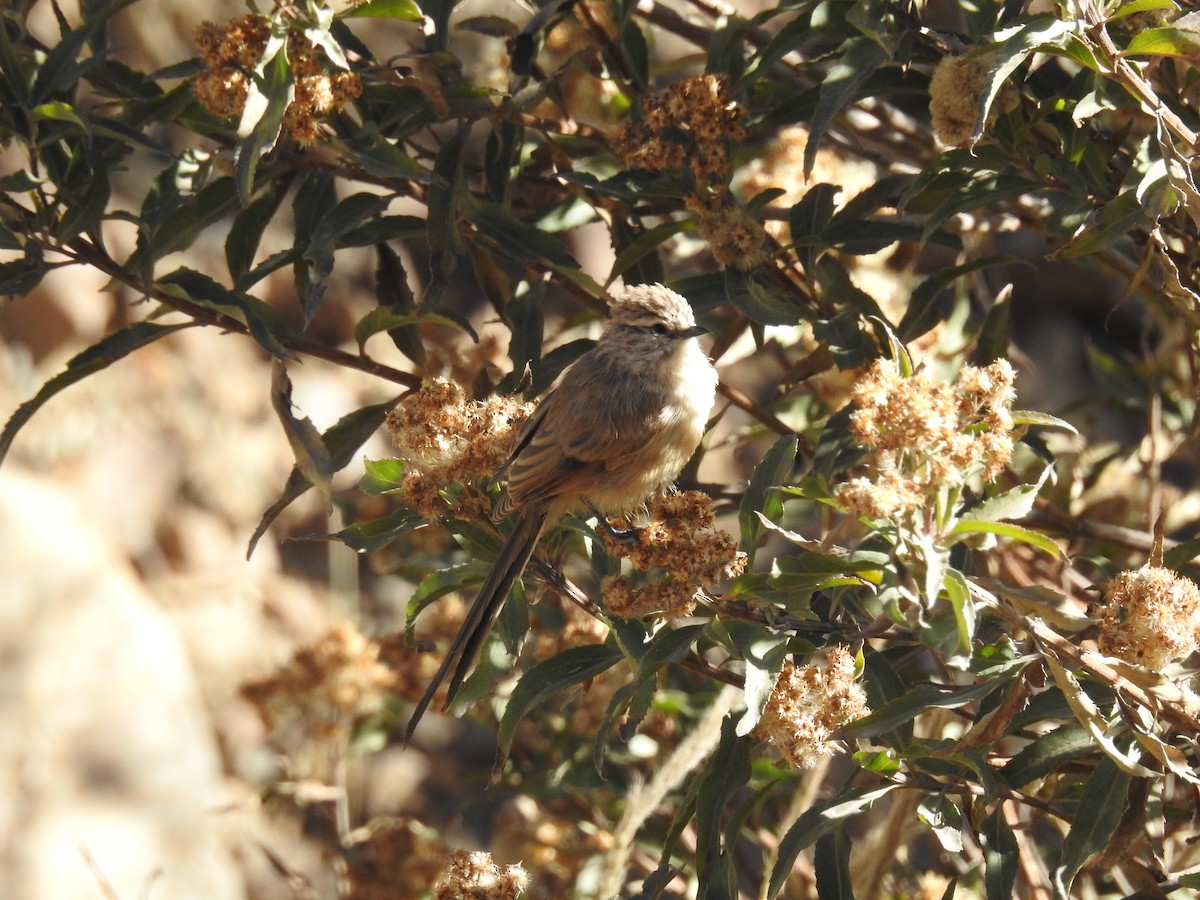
pixel 908 668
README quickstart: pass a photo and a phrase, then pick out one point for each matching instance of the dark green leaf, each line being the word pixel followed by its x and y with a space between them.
pixel 1038 759
pixel 312 456
pixel 1000 856
pixel 171 222
pixel 517 240
pixel 573 666
pixel 649 241
pixel 1107 225
pixel 762 495
pixel 439 584
pixel 247 230
pixel 262 321
pixel 368 537
pixel 912 704
pixel 525 346
pixel 1103 802
pixel 861 57
pixel 1182 554
pixel 262 119
pixel 831 859
pixel 1039 31
pixel 728 772
pixel 818 820
pixel 761 299
pixel 342 439
pixel 19 277
pixel 443 201
pixel 992 341
pixel 920 315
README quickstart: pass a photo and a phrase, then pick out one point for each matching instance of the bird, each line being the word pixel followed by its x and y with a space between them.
pixel 619 427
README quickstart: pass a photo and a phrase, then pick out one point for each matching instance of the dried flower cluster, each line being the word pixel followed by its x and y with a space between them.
pixel 230 53
pixel 1149 616
pixel 956 91
pixel 683 540
pixel 392 858
pixel 446 439
pixel 473 876
pixel 694 122
pixel 734 237
pixel 926 436
pixel 809 704
pixel 310 705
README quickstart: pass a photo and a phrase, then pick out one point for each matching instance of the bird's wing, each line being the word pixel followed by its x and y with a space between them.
pixel 572 441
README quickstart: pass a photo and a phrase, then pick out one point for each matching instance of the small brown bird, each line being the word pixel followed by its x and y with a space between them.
pixel 622 423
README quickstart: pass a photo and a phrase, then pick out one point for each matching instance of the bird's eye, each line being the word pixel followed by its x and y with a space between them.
pixel 660 328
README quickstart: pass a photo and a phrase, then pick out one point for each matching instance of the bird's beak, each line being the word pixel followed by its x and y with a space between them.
pixel 694 331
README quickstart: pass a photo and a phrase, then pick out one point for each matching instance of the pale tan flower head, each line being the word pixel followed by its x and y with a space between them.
pixel 1149 616
pixel 809 704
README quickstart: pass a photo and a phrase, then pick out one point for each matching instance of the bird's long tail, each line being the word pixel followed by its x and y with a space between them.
pixel 509 565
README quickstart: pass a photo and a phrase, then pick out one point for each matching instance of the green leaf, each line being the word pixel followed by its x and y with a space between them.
pixel 312 456
pixel 369 537
pixel 19 277
pixel 405 10
pixel 921 314
pixel 958 594
pixel 861 57
pixel 262 117
pixel 342 439
pixel 916 701
pixel 1029 38
pixel 754 294
pixel 1008 530
pixel 1016 503
pixel 382 476
pixel 881 762
pixel 517 240
pixel 1137 6
pixel 261 320
pixel 764 650
pixel 573 666
pixel 1039 758
pixel 993 338
pixel 248 227
pixel 831 863
pixel 1000 856
pixel 1182 554
pixel 668 646
pixel 439 584
pixel 942 815
pixel 1107 225
pixel 762 495
pixel 170 221
pixel 818 820
pixel 643 246
pixel 1044 420
pixel 94 359
pixel 1178 42
pixel 322 241
pixel 728 772
pixel 1103 802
